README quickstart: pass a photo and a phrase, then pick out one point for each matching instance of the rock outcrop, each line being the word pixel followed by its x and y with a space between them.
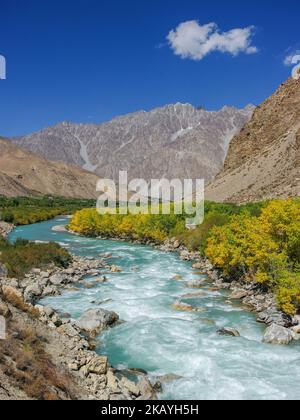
pixel 263 161
pixel 276 334
pixel 94 321
pixel 176 141
pixel 5 229
pixel 64 346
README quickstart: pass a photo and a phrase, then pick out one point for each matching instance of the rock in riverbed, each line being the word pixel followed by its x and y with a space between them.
pixel 115 269
pixel 57 279
pixel 198 266
pixel 238 294
pixel 232 332
pixel 59 228
pixel 95 321
pixel 169 378
pixel 273 316
pixel 195 284
pixel 276 334
pixel 180 306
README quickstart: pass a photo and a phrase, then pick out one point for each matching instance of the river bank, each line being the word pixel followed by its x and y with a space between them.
pixel 178 345
pixel 6 229
pixel 282 329
pixel 70 343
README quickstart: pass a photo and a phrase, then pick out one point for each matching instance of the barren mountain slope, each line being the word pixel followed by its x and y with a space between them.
pixel 23 173
pixel 176 141
pixel 263 161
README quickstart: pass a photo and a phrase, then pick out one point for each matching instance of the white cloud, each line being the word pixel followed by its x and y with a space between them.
pixel 292 58
pixel 194 41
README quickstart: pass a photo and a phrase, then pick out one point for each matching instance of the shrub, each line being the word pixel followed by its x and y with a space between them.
pixel 197 239
pixel 288 292
pixel 30 368
pixel 21 257
pixel 26 210
pixel 265 249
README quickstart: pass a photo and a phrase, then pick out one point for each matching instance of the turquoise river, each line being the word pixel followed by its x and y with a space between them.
pixel 160 340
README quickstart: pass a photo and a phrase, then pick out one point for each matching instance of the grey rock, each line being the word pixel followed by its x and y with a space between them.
pixel 48 311
pixel 195 284
pixel 94 321
pixel 57 279
pixel 69 330
pixel 50 291
pixel 146 389
pixel 32 291
pixel 296 329
pixel 169 378
pixel 59 228
pixel 70 271
pixel 238 294
pixel 98 365
pixel 273 316
pixel 191 143
pixel 276 334
pixel 130 386
pixel 296 320
pixel 229 331
pixel 106 255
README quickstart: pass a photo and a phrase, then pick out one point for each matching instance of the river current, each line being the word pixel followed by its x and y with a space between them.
pixel 161 340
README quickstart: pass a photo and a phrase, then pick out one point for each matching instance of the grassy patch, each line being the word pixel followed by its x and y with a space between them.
pixel 24 360
pixel 24 211
pixel 21 257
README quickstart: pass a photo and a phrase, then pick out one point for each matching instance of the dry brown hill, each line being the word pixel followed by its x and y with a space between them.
pixel 263 161
pixel 22 173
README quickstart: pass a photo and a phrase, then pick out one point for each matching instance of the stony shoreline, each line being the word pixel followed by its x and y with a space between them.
pixel 71 341
pixel 281 328
pixel 6 229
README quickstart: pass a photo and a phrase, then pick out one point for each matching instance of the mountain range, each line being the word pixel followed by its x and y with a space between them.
pixel 176 141
pixel 244 155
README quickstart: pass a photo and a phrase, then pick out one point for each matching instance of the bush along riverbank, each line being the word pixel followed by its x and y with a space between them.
pixel 57 351
pixel 252 250
pixel 26 210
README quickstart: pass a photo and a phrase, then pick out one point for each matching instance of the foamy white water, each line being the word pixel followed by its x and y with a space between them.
pixel 162 341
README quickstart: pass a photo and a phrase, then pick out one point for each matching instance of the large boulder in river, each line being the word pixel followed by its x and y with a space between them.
pixel 181 306
pixel 94 321
pixel 276 334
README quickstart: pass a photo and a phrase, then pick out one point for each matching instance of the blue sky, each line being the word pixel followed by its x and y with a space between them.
pixel 90 60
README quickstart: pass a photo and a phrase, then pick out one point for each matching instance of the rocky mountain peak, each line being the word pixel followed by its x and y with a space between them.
pixel 175 141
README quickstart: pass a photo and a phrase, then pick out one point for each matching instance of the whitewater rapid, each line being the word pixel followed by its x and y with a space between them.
pixel 161 340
